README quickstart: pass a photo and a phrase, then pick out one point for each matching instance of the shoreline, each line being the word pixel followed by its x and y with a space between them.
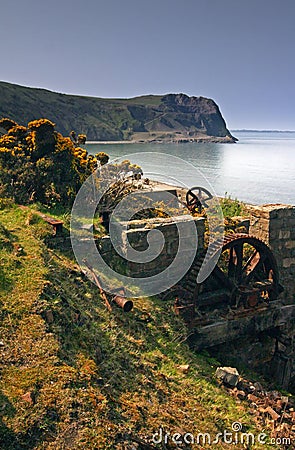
pixel 200 140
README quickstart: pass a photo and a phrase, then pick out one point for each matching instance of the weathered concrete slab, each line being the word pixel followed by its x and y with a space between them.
pixel 226 330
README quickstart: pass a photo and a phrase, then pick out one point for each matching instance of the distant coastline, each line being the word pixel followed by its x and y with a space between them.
pixel 261 131
pixel 169 138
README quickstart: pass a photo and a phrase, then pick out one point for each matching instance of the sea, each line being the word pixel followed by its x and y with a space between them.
pixel 258 169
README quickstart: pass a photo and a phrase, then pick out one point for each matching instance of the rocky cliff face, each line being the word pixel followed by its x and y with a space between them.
pixel 200 112
pixel 179 112
pixel 193 118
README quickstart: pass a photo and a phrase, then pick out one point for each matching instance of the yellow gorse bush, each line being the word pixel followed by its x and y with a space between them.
pixel 39 164
pixel 45 123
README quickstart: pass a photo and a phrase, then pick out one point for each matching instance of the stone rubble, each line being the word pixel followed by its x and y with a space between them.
pixel 270 408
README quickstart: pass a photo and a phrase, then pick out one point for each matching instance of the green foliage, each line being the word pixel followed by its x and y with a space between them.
pixel 103 158
pixel 81 139
pixel 230 207
pixel 37 164
pixel 7 124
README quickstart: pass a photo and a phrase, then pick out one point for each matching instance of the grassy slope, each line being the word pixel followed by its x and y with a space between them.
pixel 91 379
pixel 99 118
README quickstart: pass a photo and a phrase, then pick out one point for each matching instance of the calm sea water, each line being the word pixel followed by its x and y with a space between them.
pixel 260 168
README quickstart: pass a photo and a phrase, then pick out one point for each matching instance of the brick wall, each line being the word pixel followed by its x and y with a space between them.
pixel 275 225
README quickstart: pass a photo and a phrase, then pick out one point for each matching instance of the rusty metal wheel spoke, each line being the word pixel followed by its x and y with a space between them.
pixel 222 279
pixel 250 261
pixel 196 198
pixel 239 249
pixel 256 269
pixel 235 263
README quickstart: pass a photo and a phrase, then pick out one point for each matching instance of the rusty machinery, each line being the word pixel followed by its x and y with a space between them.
pixel 196 198
pixel 245 277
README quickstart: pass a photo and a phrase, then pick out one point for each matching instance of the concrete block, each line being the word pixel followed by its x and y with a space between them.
pixel 228 375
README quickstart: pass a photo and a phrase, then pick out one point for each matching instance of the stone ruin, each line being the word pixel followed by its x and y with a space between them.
pixel 266 340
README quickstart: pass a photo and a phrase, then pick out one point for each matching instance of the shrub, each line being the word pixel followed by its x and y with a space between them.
pixel 230 207
pixel 38 164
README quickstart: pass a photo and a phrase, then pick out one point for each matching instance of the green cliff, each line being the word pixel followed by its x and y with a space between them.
pixel 171 117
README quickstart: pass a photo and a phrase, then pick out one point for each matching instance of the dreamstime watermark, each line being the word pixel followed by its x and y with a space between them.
pixel 232 437
pixel 93 193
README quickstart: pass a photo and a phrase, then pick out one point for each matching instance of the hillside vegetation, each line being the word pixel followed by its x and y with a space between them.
pixel 74 375
pixel 172 116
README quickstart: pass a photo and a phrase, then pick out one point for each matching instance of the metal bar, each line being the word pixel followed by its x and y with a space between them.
pixel 97 282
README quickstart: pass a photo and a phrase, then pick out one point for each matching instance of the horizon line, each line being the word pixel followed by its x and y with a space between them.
pixel 252 130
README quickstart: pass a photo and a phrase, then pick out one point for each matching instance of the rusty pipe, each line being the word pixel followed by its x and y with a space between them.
pixel 123 302
pixel 120 300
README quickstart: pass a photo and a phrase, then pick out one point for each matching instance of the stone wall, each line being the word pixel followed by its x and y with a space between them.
pixel 138 236
pixel 272 350
pixel 275 225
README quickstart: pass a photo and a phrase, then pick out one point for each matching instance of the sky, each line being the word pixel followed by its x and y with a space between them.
pixel 238 52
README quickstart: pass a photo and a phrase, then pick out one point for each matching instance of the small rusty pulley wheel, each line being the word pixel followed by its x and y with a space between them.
pixel 196 198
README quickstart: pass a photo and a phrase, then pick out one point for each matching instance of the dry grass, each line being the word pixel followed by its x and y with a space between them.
pixel 74 375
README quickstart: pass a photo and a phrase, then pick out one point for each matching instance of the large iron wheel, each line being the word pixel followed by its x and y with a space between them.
pixel 246 274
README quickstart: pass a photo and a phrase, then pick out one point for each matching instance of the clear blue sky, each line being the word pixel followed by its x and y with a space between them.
pixel 238 52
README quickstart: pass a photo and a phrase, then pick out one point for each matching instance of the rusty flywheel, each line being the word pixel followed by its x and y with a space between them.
pixel 246 274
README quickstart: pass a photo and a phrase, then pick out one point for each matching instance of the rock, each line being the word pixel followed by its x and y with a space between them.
pixel 49 316
pixel 184 368
pixel 258 387
pixel 27 397
pixel 275 395
pixel 285 399
pixel 279 404
pixel 274 415
pixel 238 393
pixel 228 375
pixel 241 395
pixel 243 385
pixel 253 398
pixel 2 344
pixel 205 114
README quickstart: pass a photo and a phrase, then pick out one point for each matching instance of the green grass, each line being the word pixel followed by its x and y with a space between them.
pixel 74 375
